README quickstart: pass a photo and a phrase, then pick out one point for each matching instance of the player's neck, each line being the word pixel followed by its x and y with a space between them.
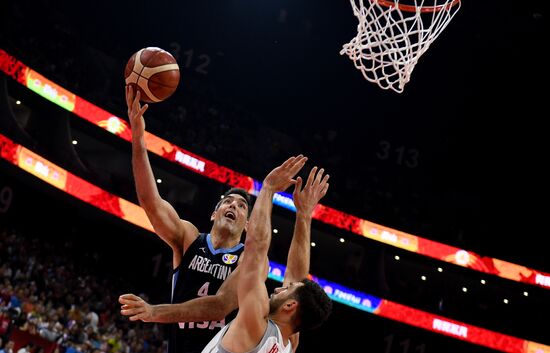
pixel 223 240
pixel 284 326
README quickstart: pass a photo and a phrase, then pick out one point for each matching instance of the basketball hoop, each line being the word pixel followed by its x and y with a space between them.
pixel 392 36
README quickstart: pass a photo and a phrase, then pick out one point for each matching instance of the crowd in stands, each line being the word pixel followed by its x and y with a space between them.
pixel 50 302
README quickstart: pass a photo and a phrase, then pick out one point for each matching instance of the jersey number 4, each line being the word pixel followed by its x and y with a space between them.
pixel 203 291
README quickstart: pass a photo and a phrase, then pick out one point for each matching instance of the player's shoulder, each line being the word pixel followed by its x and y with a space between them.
pixel 188 228
pixel 199 241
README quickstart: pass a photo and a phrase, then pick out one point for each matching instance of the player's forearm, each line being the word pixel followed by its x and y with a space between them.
pixel 206 308
pixel 259 226
pixel 164 218
pixel 299 253
pixel 146 187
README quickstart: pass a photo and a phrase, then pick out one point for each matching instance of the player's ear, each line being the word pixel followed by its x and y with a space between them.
pixel 290 305
pixel 213 215
pixel 246 226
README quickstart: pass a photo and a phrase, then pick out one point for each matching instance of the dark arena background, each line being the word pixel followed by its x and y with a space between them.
pixel 432 237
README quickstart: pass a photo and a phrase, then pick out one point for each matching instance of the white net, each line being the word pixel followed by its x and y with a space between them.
pixel 391 37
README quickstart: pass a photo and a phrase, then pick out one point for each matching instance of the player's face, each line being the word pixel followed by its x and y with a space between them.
pixel 232 212
pixel 281 294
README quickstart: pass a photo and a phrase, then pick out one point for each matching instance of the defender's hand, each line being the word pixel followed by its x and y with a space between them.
pixel 316 186
pixel 280 178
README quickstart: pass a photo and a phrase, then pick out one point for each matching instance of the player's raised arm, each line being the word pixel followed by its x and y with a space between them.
pixel 248 327
pixel 306 197
pixel 178 234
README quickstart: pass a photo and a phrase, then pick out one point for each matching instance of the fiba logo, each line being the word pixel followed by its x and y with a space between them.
pixel 229 259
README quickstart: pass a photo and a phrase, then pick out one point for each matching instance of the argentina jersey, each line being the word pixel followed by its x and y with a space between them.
pixel 202 271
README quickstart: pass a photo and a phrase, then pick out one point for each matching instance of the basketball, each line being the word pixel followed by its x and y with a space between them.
pixel 154 72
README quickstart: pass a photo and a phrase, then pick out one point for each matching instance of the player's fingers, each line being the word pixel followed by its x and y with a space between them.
pixel 143 109
pixel 293 161
pixel 128 310
pixel 319 176
pixel 135 104
pixel 298 164
pixel 324 181
pixel 298 185
pixel 125 301
pixel 128 296
pixel 288 162
pixel 325 189
pixel 131 304
pixel 300 159
pixel 311 176
pixel 131 311
pixel 129 95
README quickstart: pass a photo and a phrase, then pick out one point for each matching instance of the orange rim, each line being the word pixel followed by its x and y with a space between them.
pixel 412 8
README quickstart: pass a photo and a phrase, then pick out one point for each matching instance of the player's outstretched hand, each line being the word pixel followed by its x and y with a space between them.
pixel 280 178
pixel 135 110
pixel 316 186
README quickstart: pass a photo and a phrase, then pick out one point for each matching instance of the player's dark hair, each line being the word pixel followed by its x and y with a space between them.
pixel 314 306
pixel 240 192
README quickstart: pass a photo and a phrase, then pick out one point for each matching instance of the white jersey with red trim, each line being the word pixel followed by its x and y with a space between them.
pixel 271 342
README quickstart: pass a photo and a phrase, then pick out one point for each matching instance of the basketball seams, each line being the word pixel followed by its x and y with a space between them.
pixel 142 83
pixel 148 72
pixel 155 82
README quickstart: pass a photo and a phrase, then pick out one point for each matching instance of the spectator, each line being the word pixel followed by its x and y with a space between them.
pixel 58 306
pixel 27 348
pixel 8 348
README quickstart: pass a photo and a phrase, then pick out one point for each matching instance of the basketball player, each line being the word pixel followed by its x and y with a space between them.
pixel 207 313
pixel 265 324
pixel 216 307
pixel 201 262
